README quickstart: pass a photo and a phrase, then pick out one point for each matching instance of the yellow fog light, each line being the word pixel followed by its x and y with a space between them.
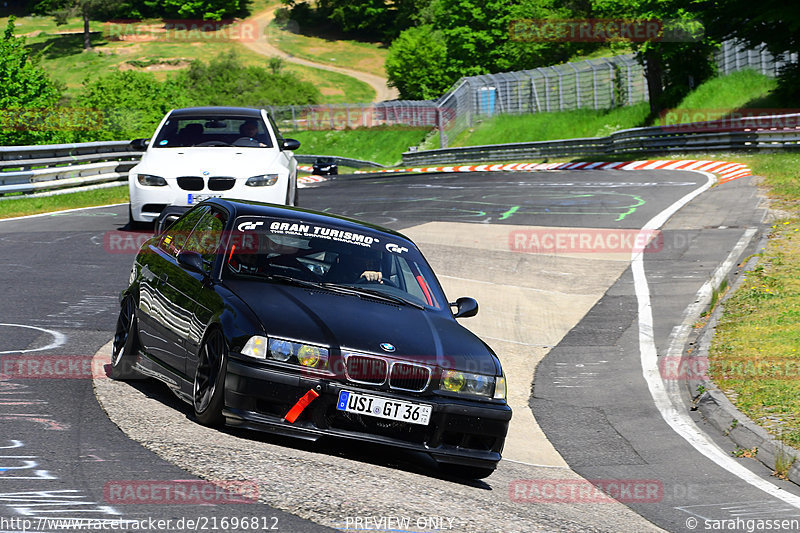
pixel 453 381
pixel 309 355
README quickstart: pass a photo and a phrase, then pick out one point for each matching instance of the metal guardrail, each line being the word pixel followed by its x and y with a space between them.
pixel 30 169
pixel 750 133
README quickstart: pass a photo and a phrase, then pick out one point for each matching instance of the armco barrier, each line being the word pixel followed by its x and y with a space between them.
pixel 750 133
pixel 30 169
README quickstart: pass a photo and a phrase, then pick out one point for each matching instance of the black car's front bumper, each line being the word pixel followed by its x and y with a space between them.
pixel 460 432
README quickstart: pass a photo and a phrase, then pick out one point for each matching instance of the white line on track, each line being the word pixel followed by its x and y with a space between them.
pixel 49 213
pixel 58 339
pixel 675 415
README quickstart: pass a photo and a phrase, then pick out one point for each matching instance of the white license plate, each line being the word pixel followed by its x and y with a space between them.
pixel 197 198
pixel 390 409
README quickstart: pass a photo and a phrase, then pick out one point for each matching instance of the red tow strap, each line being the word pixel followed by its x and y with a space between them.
pixel 301 404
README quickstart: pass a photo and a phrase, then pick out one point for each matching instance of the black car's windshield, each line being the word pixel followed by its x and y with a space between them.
pixel 358 261
pixel 209 131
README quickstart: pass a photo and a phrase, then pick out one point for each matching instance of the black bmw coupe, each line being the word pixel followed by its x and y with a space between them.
pixel 305 324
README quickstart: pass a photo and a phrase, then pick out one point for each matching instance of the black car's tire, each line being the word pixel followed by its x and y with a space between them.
pixel 468 472
pixel 208 390
pixel 126 342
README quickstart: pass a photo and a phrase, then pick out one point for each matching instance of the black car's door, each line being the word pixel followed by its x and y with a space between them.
pixel 164 313
pixel 195 290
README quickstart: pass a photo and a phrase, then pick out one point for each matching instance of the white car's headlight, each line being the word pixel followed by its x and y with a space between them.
pixel 150 180
pixel 264 180
pixel 473 384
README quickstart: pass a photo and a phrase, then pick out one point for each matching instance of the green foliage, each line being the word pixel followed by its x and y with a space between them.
pixel 226 81
pixel 470 37
pixel 417 64
pixel 193 9
pixel 673 67
pixel 132 103
pixel 26 94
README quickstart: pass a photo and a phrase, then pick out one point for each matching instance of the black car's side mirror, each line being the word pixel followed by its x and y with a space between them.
pixel 465 307
pixel 191 261
pixel 140 145
pixel 290 144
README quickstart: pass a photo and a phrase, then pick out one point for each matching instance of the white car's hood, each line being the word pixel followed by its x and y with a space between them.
pixel 217 161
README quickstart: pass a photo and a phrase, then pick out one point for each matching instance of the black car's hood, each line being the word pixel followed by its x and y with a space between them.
pixel 348 322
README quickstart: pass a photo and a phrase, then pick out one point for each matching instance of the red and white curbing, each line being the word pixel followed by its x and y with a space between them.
pixel 306 180
pixel 725 170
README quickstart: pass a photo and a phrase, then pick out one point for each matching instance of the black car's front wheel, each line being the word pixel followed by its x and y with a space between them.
pixel 209 380
pixel 126 345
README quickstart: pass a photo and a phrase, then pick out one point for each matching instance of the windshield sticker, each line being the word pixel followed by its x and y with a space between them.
pixel 391 247
pixel 323 232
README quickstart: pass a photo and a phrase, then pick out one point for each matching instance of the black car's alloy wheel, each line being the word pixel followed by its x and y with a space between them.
pixel 209 380
pixel 125 344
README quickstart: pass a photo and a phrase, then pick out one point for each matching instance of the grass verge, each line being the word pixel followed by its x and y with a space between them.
pixel 755 353
pixel 16 207
pixel 382 144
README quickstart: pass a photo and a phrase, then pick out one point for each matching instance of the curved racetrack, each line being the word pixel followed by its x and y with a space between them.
pixel 574 313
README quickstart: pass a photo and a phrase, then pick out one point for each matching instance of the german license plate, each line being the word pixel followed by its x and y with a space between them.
pixel 197 198
pixel 388 408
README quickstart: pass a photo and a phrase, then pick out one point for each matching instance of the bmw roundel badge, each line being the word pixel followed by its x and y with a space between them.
pixel 387 347
pixel 206 173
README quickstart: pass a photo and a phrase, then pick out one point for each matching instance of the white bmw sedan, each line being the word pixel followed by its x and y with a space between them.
pixel 205 152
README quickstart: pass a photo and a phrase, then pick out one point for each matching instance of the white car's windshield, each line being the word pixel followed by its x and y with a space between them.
pixel 185 131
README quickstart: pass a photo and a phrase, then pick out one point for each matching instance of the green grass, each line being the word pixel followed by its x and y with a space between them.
pixel 714 99
pixel 65 60
pixel 382 144
pixel 355 55
pixel 552 126
pixel 710 101
pixel 14 207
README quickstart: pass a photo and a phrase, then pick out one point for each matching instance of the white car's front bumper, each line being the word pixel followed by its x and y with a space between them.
pixel 147 202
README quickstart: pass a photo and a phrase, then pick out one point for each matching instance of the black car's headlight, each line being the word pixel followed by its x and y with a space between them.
pixel 264 180
pixel 285 351
pixel 473 384
pixel 150 180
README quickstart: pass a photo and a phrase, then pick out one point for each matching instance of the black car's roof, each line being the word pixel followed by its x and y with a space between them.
pixel 239 208
pixel 211 111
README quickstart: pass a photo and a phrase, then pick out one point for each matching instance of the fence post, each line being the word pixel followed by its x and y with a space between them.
pixel 440 125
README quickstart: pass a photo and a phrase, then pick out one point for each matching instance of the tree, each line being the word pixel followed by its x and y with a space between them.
pixel 25 91
pixel 774 24
pixel 417 64
pixel 199 9
pixel 673 67
pixel 85 9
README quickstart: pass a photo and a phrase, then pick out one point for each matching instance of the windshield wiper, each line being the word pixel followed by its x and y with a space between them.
pixel 294 281
pixel 373 294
